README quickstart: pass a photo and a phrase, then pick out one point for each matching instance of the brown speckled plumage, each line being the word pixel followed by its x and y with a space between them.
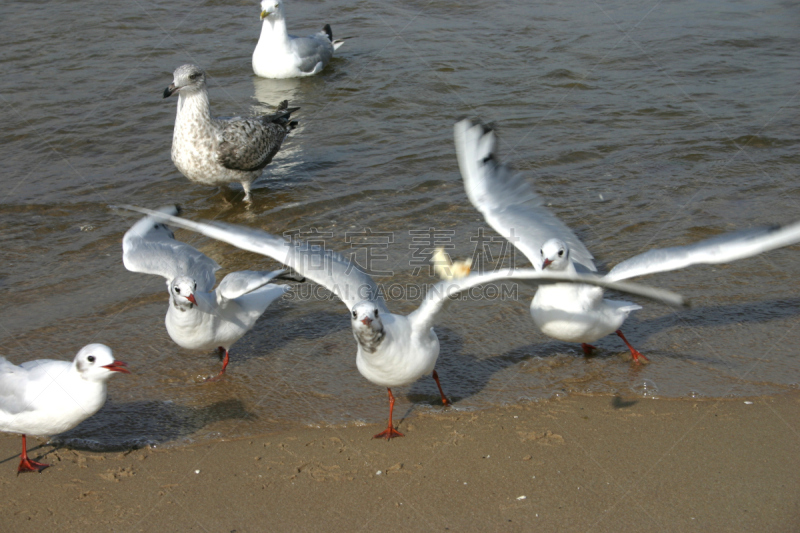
pixel 216 151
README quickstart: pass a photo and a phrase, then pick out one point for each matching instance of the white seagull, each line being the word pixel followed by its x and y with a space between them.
pixel 393 350
pixel 218 151
pixel 280 55
pixel 198 317
pixel 46 397
pixel 574 312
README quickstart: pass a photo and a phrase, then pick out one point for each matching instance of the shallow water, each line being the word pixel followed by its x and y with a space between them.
pixel 644 125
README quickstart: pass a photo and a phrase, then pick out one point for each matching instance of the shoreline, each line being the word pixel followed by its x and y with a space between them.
pixel 599 463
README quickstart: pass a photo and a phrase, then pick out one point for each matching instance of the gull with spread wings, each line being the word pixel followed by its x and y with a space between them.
pixel 393 350
pixel 576 312
pixel 200 318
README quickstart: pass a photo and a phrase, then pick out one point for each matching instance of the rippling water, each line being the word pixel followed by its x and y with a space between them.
pixel 644 125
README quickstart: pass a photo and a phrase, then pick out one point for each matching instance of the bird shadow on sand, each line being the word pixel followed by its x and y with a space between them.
pixel 132 425
pixel 276 329
pixel 707 319
pixel 464 374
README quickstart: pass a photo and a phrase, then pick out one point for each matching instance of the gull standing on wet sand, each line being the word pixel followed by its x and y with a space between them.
pixel 574 312
pixel 280 55
pixel 199 318
pixel 46 397
pixel 218 151
pixel 393 350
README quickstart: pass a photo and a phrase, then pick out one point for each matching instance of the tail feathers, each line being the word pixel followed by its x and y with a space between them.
pixel 291 275
pixel 622 306
pixel 328 31
pixel 281 116
pixel 337 43
pixel 283 109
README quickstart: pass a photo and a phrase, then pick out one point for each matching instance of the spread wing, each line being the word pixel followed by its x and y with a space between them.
pixel 341 276
pixel 721 249
pixel 150 247
pixel 240 283
pixel 442 292
pixel 249 144
pixel 507 202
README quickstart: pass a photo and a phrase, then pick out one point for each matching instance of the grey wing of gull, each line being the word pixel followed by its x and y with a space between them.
pixel 13 381
pixel 249 144
pixel 442 292
pixel 342 277
pixel 312 50
pixel 507 202
pixel 240 283
pixel 150 247
pixel 721 249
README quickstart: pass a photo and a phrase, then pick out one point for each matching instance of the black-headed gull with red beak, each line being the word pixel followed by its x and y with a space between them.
pixel 393 350
pixel 575 312
pixel 200 318
pixel 46 397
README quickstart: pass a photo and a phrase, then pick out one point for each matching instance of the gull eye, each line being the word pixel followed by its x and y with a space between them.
pixel 541 252
pixel 195 286
pixel 177 290
pixel 193 76
pixel 376 313
pixel 560 253
pixel 90 359
pixel 355 314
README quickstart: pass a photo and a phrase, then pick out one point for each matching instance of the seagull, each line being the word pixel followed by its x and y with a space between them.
pixel 216 151
pixel 575 312
pixel 280 55
pixel 46 397
pixel 393 350
pixel 199 318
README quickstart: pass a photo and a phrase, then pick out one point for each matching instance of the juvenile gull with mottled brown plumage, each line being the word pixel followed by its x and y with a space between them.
pixel 217 151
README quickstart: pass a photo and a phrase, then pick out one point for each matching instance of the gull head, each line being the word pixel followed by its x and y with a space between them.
pixel 95 362
pixel 555 255
pixel 271 8
pixel 367 325
pixel 181 293
pixel 186 79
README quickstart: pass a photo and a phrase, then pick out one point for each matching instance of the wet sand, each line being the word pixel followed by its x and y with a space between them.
pixel 579 463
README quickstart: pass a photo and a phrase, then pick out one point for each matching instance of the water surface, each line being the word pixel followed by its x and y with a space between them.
pixel 643 125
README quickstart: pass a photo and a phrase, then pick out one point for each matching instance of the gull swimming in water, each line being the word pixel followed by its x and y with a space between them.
pixel 393 350
pixel 198 317
pixel 46 397
pixel 280 55
pixel 575 312
pixel 218 151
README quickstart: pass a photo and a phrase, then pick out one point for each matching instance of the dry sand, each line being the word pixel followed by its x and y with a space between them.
pixel 572 464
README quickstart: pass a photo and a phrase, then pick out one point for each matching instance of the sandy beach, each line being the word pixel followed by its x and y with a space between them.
pixel 578 463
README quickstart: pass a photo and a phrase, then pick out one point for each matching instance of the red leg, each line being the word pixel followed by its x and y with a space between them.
pixel 389 432
pixel 587 349
pixel 225 360
pixel 445 401
pixel 634 352
pixel 27 465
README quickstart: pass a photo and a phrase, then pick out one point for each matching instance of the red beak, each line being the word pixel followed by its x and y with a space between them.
pixel 366 321
pixel 191 299
pixel 546 263
pixel 118 366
